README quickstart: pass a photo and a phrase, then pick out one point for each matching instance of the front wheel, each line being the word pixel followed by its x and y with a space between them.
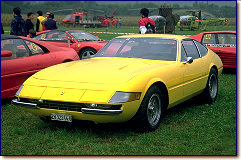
pixel 151 110
pixel 87 53
pixel 211 91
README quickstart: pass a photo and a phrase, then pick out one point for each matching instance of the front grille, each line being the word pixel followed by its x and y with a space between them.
pixel 62 106
pixel 65 106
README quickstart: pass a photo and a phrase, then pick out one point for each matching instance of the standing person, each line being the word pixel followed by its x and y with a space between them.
pixel 18 24
pixel 47 15
pixel 51 24
pixel 120 22
pixel 45 19
pixel 2 31
pixel 116 22
pixel 107 23
pixel 40 20
pixel 28 23
pixel 146 25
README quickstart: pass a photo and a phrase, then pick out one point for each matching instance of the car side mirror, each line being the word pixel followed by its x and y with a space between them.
pixel 6 53
pixel 188 60
pixel 68 38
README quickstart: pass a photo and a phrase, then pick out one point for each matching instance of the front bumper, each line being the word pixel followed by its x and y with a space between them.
pixel 119 114
pixel 83 110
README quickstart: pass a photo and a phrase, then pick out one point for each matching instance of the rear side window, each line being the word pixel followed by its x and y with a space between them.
pixel 209 39
pixel 54 36
pixel 202 49
pixel 34 48
pixel 190 49
pixel 227 38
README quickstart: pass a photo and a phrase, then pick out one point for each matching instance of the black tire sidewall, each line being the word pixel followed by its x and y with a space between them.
pixel 141 118
pixel 206 92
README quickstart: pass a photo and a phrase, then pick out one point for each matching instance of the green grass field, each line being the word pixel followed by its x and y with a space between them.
pixel 192 128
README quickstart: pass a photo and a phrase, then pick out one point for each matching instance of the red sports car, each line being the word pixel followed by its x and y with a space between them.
pixel 85 44
pixel 221 42
pixel 21 57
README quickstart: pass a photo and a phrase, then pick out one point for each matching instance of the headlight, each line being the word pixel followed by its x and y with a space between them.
pixel 120 97
pixel 19 90
pixel 102 106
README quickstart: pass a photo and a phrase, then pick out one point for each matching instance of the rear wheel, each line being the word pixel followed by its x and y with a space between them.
pixel 211 91
pixel 87 53
pixel 151 110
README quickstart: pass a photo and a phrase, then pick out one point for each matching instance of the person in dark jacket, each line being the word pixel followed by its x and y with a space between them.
pixel 51 24
pixel 28 23
pixel 17 24
pixel 2 31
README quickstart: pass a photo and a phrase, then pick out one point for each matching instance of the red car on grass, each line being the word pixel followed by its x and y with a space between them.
pixel 221 42
pixel 21 57
pixel 85 44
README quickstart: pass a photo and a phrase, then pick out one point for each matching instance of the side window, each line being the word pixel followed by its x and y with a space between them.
pixel 227 39
pixel 209 39
pixel 56 36
pixel 183 54
pixel 34 48
pixel 202 49
pixel 16 46
pixel 191 49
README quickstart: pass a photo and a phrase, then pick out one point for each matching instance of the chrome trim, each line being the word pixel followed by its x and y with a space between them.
pixel 31 105
pixel 100 111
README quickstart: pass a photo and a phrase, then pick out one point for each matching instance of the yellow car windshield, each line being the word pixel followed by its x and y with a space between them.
pixel 144 48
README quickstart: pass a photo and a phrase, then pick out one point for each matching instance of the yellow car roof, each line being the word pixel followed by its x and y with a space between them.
pixel 155 36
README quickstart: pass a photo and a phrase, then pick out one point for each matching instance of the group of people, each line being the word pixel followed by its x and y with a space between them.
pixel 114 22
pixel 19 27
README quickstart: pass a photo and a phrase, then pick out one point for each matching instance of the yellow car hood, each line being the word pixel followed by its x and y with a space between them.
pixel 98 70
pixel 90 80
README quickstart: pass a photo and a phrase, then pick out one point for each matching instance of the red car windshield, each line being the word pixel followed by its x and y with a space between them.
pixel 83 36
pixel 144 48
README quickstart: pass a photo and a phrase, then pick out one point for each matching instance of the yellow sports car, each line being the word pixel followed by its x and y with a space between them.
pixel 133 77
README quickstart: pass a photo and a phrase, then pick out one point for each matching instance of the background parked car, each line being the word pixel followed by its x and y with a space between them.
pixel 221 42
pixel 21 57
pixel 85 44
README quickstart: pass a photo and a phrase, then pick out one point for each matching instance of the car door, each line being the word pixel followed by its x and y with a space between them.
pixel 17 68
pixel 194 73
pixel 55 37
pixel 40 56
pixel 210 40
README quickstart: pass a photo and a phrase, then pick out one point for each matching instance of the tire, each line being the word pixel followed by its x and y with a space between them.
pixel 68 60
pixel 87 53
pixel 45 119
pixel 151 110
pixel 211 91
